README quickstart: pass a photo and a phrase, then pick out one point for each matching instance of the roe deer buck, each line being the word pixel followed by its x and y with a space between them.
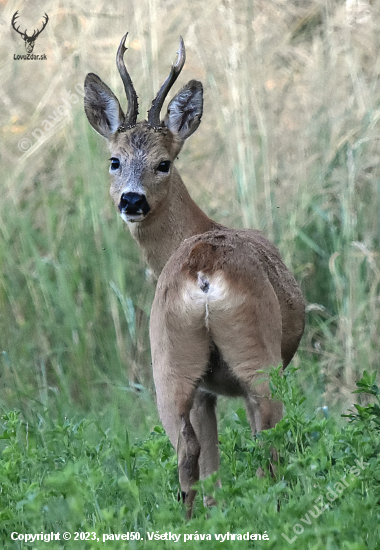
pixel 225 306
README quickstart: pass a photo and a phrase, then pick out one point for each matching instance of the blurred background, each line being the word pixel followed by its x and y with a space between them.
pixel 288 144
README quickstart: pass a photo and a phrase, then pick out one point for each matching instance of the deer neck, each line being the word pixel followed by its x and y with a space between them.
pixel 162 231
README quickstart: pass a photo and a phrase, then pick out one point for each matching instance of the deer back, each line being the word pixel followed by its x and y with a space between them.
pixel 225 267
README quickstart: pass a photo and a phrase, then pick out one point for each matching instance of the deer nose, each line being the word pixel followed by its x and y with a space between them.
pixel 133 203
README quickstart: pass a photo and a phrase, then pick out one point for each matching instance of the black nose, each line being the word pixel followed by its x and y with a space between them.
pixel 133 203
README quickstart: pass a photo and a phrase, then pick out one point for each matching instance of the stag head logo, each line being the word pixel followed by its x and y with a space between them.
pixel 29 40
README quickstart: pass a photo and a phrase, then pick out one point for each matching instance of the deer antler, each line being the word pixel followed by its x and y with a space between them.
pixel 154 112
pixel 133 106
pixel 23 34
pixel 36 33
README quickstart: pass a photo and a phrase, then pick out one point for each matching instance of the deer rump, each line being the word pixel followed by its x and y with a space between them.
pixel 225 308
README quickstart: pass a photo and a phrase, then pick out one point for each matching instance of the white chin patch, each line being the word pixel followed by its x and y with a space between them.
pixel 130 218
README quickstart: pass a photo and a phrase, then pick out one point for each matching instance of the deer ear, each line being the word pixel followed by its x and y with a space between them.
pixel 102 107
pixel 185 110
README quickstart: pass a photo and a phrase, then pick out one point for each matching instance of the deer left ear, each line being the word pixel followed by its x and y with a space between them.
pixel 185 110
pixel 102 107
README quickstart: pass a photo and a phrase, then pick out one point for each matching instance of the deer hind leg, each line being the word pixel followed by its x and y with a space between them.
pixel 263 414
pixel 175 400
pixel 180 354
pixel 246 326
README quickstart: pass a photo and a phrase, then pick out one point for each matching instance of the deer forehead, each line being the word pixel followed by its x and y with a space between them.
pixel 144 144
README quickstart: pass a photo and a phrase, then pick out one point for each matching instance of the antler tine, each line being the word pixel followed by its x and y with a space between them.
pixel 133 106
pixel 15 16
pixel 154 112
pixel 37 32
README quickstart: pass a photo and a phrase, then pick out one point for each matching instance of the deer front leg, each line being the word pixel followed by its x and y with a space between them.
pixel 198 453
pixel 203 419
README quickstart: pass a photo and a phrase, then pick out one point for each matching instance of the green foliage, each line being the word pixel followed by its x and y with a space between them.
pixel 293 151
pixel 371 412
pixel 74 476
pixel 74 311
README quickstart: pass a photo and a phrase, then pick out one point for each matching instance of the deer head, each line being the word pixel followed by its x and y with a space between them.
pixel 142 153
pixel 29 40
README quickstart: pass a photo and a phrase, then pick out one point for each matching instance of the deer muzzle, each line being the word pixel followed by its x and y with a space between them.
pixel 133 206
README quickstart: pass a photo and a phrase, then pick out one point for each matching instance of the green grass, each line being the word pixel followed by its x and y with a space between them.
pixel 74 476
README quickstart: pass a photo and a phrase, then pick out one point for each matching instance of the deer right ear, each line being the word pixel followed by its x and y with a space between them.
pixel 102 107
pixel 185 110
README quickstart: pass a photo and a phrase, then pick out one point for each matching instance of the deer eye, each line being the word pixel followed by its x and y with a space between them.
pixel 164 166
pixel 115 163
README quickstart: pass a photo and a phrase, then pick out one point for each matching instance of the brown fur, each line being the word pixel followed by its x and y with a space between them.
pixel 226 307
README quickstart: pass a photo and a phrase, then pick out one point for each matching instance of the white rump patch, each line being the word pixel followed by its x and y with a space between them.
pixel 209 294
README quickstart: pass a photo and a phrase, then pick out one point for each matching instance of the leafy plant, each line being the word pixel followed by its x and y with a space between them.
pixel 371 412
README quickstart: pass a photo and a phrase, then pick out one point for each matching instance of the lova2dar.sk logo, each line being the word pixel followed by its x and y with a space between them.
pixel 29 40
